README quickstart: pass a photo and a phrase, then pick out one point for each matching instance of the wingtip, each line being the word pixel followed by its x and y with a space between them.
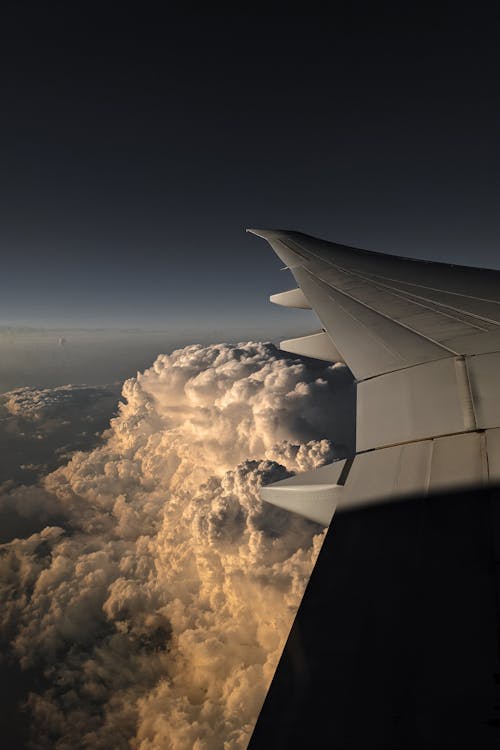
pixel 258 232
pixel 266 234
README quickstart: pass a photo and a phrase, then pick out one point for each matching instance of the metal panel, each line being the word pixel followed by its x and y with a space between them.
pixel 457 461
pixel 420 315
pixel 493 449
pixel 416 468
pixel 370 342
pixel 388 473
pixel 484 372
pixel 479 343
pixel 410 404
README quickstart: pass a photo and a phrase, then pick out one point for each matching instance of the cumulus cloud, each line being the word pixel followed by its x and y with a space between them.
pixel 155 609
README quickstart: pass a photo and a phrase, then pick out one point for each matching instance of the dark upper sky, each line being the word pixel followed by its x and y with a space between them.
pixel 136 149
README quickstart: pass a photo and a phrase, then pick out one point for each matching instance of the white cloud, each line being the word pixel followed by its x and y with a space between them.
pixel 158 605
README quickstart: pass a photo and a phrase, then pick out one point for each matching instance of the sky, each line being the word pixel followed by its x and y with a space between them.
pixel 135 150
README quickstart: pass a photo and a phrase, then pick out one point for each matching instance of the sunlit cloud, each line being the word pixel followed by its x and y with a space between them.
pixel 157 603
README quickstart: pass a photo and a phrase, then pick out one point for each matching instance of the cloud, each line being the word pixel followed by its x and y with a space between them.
pixel 157 606
pixel 41 427
pixel 56 404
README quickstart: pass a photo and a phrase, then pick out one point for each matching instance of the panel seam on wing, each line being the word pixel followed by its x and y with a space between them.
pixel 407 296
pixel 383 315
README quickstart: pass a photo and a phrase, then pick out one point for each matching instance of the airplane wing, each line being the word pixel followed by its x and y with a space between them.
pixel 385 313
pixel 422 340
pixel 396 641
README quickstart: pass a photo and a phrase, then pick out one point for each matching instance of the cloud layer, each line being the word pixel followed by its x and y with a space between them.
pixel 40 427
pixel 157 606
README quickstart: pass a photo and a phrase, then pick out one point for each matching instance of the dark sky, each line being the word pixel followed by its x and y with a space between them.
pixel 135 150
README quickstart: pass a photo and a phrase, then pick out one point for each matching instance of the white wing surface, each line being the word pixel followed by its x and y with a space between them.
pixel 422 340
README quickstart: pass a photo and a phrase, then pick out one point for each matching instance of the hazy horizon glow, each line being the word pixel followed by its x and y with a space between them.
pixel 47 357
